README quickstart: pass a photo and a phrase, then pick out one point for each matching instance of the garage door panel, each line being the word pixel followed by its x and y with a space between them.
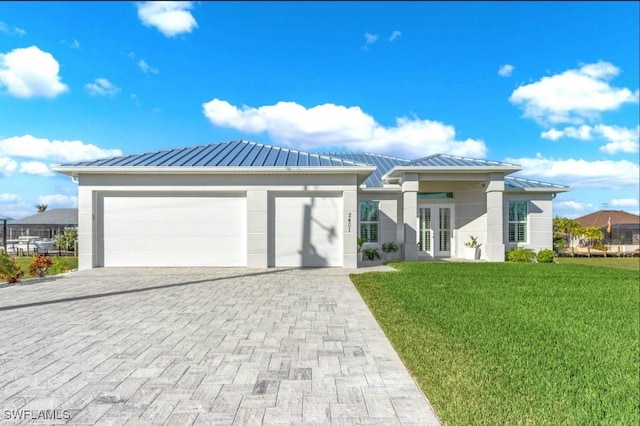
pixel 308 230
pixel 174 230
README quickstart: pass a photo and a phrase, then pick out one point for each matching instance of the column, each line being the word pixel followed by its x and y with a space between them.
pixel 87 229
pixel 257 229
pixel 410 215
pixel 350 228
pixel 495 214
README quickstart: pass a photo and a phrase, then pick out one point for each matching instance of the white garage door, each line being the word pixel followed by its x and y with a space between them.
pixel 174 230
pixel 308 230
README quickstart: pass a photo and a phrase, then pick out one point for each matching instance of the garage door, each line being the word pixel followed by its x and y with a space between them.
pixel 173 230
pixel 308 230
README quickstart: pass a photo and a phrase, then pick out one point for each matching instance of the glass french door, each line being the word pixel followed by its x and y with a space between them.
pixel 435 230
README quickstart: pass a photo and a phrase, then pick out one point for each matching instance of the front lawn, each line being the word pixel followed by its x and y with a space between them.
pixel 631 263
pixel 514 343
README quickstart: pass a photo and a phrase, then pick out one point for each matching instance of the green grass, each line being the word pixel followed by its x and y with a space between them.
pixel 514 343
pixel 24 263
pixel 631 263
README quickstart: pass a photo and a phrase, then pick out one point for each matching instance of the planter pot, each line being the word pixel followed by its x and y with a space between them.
pixel 359 256
pixel 471 253
pixel 391 257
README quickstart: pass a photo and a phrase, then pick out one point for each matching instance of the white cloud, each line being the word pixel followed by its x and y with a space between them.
pixel 573 205
pixel 28 146
pixel 368 40
pixel 29 72
pixel 394 35
pixel 336 126
pixel 581 173
pixel 619 139
pixel 13 206
pixel 4 28
pixel 506 70
pixel 7 166
pixel 58 201
pixel 624 202
pixel 146 68
pixel 35 168
pixel 102 87
pixel 573 95
pixel 169 17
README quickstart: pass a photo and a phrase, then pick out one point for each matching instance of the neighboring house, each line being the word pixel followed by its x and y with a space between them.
pixel 251 205
pixel 46 224
pixel 625 228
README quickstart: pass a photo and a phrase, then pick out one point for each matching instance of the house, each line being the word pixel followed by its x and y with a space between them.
pixel 45 224
pixel 247 204
pixel 625 228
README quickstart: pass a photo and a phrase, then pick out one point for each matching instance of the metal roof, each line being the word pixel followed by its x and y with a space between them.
pixel 51 217
pixel 383 164
pixel 444 160
pixel 227 154
pixel 517 183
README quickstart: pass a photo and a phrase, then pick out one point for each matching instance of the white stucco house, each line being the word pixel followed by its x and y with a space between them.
pixel 245 204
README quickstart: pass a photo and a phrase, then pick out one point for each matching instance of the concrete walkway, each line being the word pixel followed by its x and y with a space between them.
pixel 200 346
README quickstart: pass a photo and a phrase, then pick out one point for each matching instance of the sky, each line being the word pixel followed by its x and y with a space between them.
pixel 551 86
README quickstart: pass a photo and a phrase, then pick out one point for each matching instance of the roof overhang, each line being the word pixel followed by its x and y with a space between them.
pixel 398 171
pixel 75 171
pixel 553 190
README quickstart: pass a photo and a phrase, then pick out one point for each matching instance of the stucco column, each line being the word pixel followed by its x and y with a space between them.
pixel 257 229
pixel 495 226
pixel 87 241
pixel 410 216
pixel 350 228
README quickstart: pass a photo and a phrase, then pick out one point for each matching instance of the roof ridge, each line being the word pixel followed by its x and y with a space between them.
pixel 370 153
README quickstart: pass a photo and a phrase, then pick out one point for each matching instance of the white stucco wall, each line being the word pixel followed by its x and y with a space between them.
pixel 540 224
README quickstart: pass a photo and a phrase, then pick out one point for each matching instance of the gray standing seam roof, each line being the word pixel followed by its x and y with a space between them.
pixel 50 217
pixel 251 154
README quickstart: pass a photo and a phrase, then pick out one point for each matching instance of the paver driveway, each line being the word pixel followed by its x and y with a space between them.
pixel 200 346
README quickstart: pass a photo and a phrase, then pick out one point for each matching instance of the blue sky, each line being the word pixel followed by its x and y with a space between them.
pixel 551 86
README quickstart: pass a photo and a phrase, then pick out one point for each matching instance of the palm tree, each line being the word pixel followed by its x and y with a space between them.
pixel 41 208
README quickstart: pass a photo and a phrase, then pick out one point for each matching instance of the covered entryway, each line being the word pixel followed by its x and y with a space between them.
pixel 172 229
pixel 307 230
pixel 435 230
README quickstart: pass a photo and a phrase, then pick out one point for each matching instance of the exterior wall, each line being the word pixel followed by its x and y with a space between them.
pixel 389 228
pixel 540 223
pixel 256 188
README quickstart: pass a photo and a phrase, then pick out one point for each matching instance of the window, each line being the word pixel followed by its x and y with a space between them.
pixel 369 219
pixel 518 213
pixel 434 195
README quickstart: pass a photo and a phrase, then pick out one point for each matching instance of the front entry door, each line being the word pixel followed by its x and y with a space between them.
pixel 435 232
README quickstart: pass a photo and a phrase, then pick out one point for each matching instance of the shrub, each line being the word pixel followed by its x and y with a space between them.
pixel 10 271
pixel 370 253
pixel 361 241
pixel 521 254
pixel 546 256
pixel 390 247
pixel 600 246
pixel 40 265
pixel 59 265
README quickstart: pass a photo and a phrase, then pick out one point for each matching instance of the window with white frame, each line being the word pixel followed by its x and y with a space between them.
pixel 518 219
pixel 369 220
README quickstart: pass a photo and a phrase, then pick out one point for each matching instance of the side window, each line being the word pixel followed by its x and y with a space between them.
pixel 518 220
pixel 369 220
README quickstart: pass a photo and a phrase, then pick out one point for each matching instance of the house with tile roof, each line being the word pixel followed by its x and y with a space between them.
pixel 624 232
pixel 246 204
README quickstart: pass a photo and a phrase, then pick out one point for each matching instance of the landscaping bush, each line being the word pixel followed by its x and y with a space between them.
pixel 390 247
pixel 59 265
pixel 521 254
pixel 40 265
pixel 10 271
pixel 546 256
pixel 370 254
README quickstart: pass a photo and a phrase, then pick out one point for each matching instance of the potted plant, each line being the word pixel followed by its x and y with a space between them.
pixel 472 248
pixel 390 249
pixel 361 241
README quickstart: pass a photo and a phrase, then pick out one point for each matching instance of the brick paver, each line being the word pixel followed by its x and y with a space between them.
pixel 201 346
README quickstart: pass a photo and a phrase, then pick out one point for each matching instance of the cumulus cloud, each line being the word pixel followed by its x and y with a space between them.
pixel 506 70
pixel 30 147
pixel 394 35
pixel 619 139
pixel 581 173
pixel 7 166
pixel 624 202
pixel 146 68
pixel 169 17
pixel 573 96
pixel 29 72
pixel 336 126
pixel 13 206
pixel 35 168
pixel 102 87
pixel 58 201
